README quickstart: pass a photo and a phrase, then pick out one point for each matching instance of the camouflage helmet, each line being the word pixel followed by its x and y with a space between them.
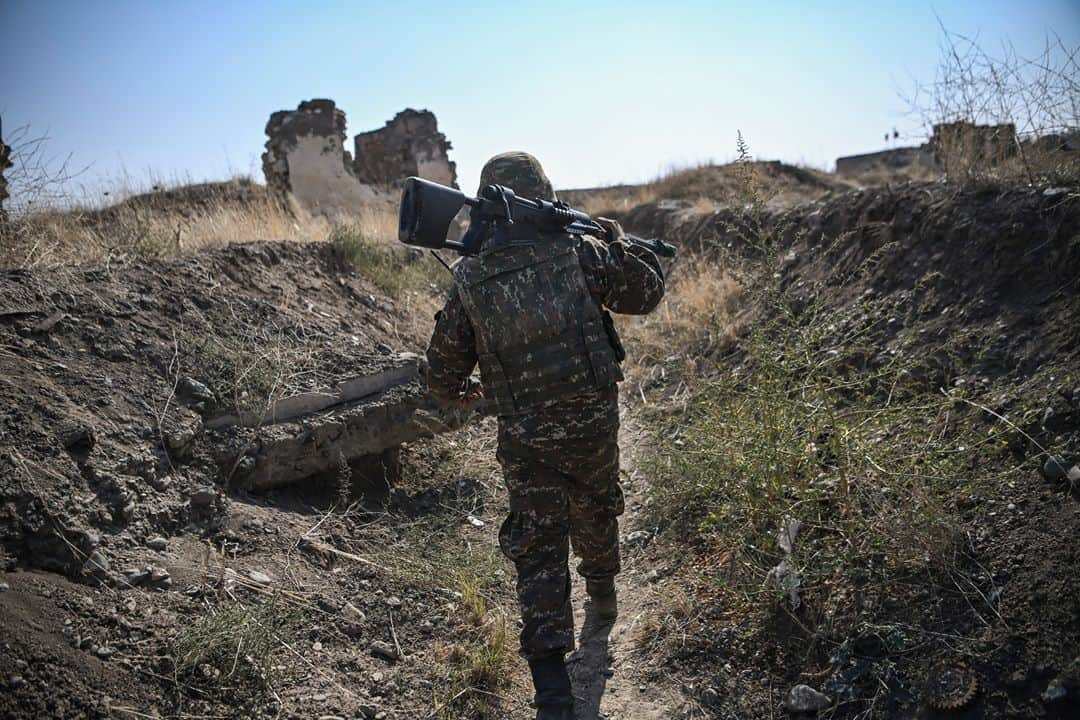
pixel 520 172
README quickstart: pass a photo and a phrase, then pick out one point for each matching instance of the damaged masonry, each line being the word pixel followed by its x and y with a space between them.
pixel 306 160
pixel 368 416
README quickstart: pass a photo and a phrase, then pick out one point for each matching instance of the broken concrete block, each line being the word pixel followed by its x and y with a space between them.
pixel 367 415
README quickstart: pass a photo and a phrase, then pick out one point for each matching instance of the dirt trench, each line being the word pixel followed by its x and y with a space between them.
pixel 611 678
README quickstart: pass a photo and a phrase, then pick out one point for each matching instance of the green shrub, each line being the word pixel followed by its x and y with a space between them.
pixel 395 269
pixel 232 649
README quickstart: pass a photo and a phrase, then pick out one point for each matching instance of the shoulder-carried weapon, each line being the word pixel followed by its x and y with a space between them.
pixel 428 208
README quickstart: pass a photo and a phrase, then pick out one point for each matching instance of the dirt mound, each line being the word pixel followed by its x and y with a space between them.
pixel 977 287
pixel 131 396
pixel 996 263
pixel 185 201
pixel 711 187
pixel 95 426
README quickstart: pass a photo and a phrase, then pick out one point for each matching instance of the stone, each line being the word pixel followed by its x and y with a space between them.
pixel 96 565
pixel 393 601
pixel 329 605
pixel 104 652
pixel 16 681
pixel 179 431
pixel 1054 468
pixel 259 578
pixel 159 577
pixel 1055 692
pixel 353 613
pixel 638 537
pixel 1073 476
pixel 137 576
pixel 710 697
pixel 4 587
pixel 202 498
pixel 384 650
pixel 157 543
pixel 805 699
pixel 193 392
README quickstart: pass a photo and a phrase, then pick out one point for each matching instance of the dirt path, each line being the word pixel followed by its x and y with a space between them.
pixel 606 669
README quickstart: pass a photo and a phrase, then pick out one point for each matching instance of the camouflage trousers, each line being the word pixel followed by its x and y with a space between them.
pixel 561 467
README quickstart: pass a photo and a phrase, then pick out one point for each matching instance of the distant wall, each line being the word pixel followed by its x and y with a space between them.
pixel 971 144
pixel 5 163
pixel 892 159
pixel 305 157
pixel 959 146
pixel 409 144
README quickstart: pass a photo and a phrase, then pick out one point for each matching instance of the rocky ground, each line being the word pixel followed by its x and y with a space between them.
pixel 140 580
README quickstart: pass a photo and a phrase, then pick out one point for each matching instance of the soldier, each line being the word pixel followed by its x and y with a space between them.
pixel 533 312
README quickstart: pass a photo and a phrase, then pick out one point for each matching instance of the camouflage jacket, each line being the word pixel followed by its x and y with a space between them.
pixel 621 277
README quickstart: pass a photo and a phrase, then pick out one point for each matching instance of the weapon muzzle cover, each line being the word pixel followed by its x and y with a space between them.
pixel 427 210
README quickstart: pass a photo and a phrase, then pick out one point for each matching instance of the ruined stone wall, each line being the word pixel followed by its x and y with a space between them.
pixel 5 163
pixel 953 147
pixel 305 157
pixel 891 159
pixel 961 145
pixel 410 144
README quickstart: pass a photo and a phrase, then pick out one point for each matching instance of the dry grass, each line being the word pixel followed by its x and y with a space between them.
pixel 611 201
pixel 698 315
pixel 169 222
pixel 709 187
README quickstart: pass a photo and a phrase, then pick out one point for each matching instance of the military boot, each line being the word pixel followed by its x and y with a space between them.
pixel 602 593
pixel 554 701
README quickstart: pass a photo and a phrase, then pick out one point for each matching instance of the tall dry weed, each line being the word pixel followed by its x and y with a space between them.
pixel 161 223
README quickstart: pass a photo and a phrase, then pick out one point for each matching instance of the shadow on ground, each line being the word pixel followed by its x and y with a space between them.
pixel 590 666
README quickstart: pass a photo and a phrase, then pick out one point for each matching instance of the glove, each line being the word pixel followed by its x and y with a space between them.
pixel 612 228
pixel 474 394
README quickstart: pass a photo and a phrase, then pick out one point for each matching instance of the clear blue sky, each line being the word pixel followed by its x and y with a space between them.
pixel 602 92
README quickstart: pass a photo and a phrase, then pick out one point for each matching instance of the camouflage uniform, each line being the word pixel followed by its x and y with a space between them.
pixel 555 394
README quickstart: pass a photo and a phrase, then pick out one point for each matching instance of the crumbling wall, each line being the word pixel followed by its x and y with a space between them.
pixel 305 157
pixel 953 147
pixel 5 163
pixel 892 159
pixel 410 144
pixel 966 144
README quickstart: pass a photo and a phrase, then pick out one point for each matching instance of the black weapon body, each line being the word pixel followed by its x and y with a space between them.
pixel 428 208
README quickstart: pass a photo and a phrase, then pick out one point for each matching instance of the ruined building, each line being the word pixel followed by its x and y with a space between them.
pixel 958 147
pixel 410 144
pixel 966 144
pixel 5 163
pixel 305 157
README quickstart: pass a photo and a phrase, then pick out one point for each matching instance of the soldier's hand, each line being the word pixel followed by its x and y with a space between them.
pixel 473 395
pixel 611 227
